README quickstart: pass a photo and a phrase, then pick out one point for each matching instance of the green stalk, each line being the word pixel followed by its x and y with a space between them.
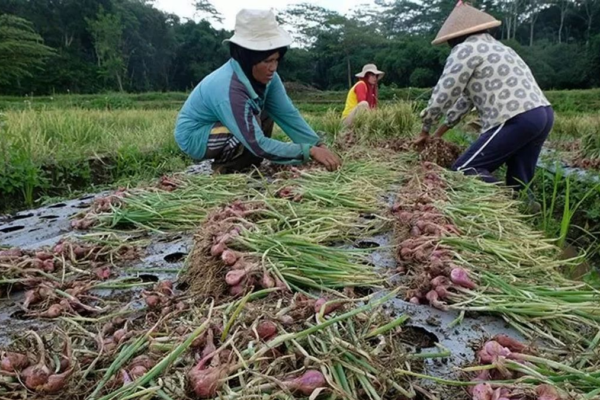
pixel 237 312
pixel 276 342
pixel 445 353
pixel 125 355
pixel 388 327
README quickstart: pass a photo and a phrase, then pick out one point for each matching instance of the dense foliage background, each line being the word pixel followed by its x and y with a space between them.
pixel 90 46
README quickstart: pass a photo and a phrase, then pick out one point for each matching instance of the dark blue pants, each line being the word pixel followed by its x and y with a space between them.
pixel 516 143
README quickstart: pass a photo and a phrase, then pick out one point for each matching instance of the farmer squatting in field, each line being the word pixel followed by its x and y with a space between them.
pixel 484 73
pixel 363 95
pixel 230 114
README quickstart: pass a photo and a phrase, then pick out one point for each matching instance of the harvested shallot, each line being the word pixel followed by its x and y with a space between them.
pixel 460 277
pixel 266 329
pixel 206 381
pixel 12 362
pixel 307 383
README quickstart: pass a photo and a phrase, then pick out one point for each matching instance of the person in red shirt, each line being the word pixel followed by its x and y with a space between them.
pixel 363 95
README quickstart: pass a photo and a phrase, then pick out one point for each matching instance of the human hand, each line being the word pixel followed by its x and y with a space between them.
pixel 326 157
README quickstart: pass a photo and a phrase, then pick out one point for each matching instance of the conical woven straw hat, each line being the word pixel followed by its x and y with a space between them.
pixel 463 20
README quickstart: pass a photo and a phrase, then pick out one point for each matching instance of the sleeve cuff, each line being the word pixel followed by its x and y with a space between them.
pixel 306 151
pixel 450 124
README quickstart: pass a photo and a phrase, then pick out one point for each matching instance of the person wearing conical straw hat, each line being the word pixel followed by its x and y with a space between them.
pixel 363 95
pixel 229 116
pixel 483 73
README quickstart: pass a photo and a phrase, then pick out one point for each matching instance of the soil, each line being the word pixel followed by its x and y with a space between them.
pixel 441 152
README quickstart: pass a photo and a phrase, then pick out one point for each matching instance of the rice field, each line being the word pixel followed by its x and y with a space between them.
pixel 392 278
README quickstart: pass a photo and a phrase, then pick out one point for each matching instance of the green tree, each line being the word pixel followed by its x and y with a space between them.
pixel 107 31
pixel 422 77
pixel 137 47
pixel 207 11
pixel 21 49
pixel 200 51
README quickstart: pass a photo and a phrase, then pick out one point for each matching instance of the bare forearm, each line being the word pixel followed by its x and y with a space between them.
pixel 441 131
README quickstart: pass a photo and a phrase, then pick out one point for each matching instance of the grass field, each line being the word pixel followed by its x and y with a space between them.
pixel 56 151
pixel 65 144
pixel 567 101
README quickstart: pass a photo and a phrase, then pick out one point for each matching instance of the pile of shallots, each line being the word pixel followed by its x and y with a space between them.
pixel 41 376
pixel 435 272
pixel 215 365
pixel 496 352
pixel 243 271
pixel 29 270
pixel 100 205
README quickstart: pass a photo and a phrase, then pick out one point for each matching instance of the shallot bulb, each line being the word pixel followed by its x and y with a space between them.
pixel 547 392
pixel 483 391
pixel 48 265
pixel 37 375
pixel 460 277
pixel 143 361
pixel 217 249
pixel 119 335
pixel 510 343
pixel 266 330
pixel 483 376
pixel 54 311
pixel 31 297
pixel 440 281
pixel 153 301
pixel 267 282
pixel 237 290
pixel 501 394
pixel 234 277
pixel 306 384
pixel 206 382
pixel 102 273
pixel 491 351
pixel 125 378
pixel 229 257
pixel 59 249
pixel 442 292
pixel 12 362
pixel 287 320
pixel 165 288
pixel 11 253
pixel 55 383
pixel 80 252
pixel 138 371
pixel 434 300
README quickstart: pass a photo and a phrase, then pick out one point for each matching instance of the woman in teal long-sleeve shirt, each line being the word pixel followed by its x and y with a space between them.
pixel 229 116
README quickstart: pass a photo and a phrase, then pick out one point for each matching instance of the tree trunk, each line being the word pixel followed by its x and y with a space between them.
pixel 589 14
pixel 564 8
pixel 532 29
pixel 562 24
pixel 589 29
pixel 119 81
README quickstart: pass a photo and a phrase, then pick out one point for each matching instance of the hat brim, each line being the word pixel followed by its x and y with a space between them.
pixel 282 40
pixel 380 74
pixel 474 29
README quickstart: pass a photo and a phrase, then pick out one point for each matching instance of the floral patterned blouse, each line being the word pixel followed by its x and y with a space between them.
pixel 483 73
